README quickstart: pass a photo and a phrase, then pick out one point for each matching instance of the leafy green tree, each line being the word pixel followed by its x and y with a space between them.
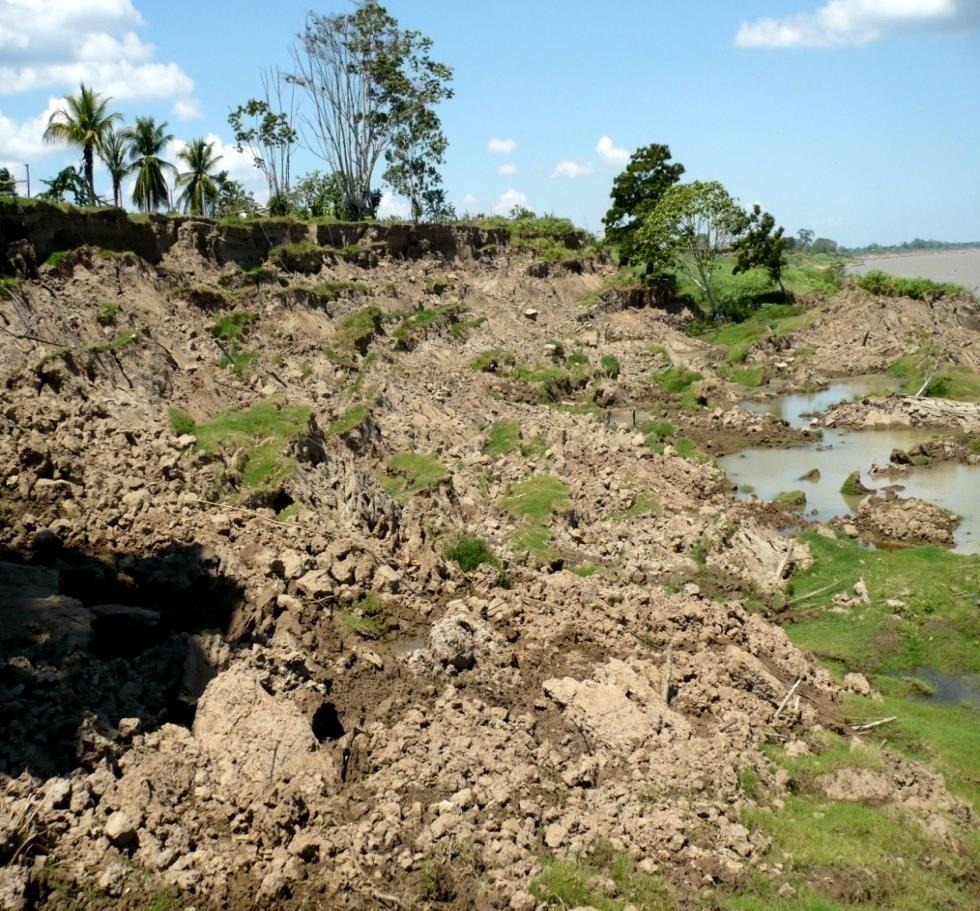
pixel 805 238
pixel 315 195
pixel 635 194
pixel 417 147
pixel 113 154
pixel 264 126
pixel 68 181
pixel 147 140
pixel 367 82
pixel 233 198
pixel 762 245
pixel 84 121
pixel 823 245
pixel 8 185
pixel 690 228
pixel 199 191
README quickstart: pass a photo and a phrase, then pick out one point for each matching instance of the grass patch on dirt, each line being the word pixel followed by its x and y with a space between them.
pixel 921 289
pixel 532 502
pixel 504 437
pixel 610 365
pixel 469 553
pixel 736 338
pixel 352 418
pixel 937 624
pixel 180 421
pixel 412 472
pixel 491 361
pixel 945 381
pixel 644 504
pixel 239 361
pixel 569 883
pixel 743 376
pixel 367 617
pixel 658 433
pixel 790 499
pixel 418 323
pixel 231 327
pixel 357 329
pixel 262 432
pixel 107 313
pixel 554 383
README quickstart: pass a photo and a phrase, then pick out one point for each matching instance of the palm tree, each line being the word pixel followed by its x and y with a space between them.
pixel 84 121
pixel 147 140
pixel 113 155
pixel 200 188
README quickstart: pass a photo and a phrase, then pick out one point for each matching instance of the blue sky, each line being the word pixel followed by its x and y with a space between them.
pixel 856 118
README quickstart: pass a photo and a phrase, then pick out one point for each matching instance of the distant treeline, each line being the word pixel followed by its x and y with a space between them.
pixel 911 246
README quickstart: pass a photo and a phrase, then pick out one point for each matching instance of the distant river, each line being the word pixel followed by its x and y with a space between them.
pixel 959 266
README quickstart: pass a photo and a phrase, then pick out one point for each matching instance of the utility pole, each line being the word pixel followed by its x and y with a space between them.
pixel 27 168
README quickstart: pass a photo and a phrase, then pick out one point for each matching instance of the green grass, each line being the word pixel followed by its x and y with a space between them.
pixel 737 338
pixel 923 289
pixel 532 502
pixel 367 619
pixel 408 329
pixel 939 626
pixel 262 432
pixel 239 361
pixel 790 499
pixel 849 856
pixel 231 327
pixel 357 329
pixel 107 313
pixel 8 284
pixel 412 472
pixel 327 292
pixel 643 505
pixel 470 553
pixel 688 449
pixel 744 376
pixel 297 257
pixel 492 360
pixel 180 421
pixel 504 437
pixel 353 417
pixel 610 365
pixel 675 379
pixel 852 486
pixel 553 382
pixel 566 884
pixel 946 381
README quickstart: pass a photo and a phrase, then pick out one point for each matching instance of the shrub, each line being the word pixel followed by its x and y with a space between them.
pixel 471 553
pixel 923 289
pixel 367 619
pixel 610 365
pixel 230 328
pixel 107 313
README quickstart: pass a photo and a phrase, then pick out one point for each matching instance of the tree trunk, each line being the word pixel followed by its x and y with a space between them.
pixel 89 173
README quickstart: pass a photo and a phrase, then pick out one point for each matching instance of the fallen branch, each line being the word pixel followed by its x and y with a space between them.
pixel 249 512
pixel 786 698
pixel 868 725
pixel 816 591
pixel 668 673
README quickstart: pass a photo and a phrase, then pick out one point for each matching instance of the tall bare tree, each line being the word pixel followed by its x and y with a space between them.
pixel 265 127
pixel 362 76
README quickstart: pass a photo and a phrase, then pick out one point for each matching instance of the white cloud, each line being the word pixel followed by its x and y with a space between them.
pixel 501 146
pixel 857 22
pixel 60 43
pixel 469 200
pixel 188 109
pixel 611 154
pixel 508 167
pixel 392 206
pixel 24 140
pixel 508 199
pixel 572 169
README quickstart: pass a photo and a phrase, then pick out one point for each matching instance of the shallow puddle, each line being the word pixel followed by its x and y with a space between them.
pixel 796 407
pixel 949 689
pixel 768 472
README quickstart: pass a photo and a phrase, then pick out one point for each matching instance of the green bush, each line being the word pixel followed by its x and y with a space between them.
pixel 610 365
pixel 230 328
pixel 471 553
pixel 923 289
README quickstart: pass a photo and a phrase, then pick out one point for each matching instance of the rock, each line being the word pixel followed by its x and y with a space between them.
pixel 530 313
pixel 459 641
pixel 120 829
pixel 239 724
pixel 522 901
pixel 555 835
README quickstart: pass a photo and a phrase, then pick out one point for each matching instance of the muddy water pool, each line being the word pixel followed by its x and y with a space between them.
pixel 768 472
